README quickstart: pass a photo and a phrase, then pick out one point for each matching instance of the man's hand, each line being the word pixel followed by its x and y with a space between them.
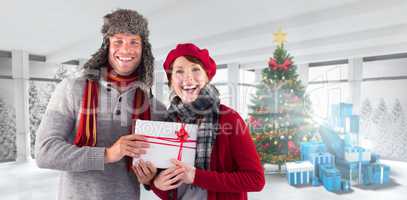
pixel 128 145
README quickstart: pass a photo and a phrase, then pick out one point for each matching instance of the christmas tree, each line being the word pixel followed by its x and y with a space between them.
pixel 279 114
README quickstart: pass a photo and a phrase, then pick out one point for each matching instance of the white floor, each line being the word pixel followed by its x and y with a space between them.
pixel 24 181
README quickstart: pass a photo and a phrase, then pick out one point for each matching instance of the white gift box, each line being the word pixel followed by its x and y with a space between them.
pixel 300 172
pixel 166 143
pixel 357 154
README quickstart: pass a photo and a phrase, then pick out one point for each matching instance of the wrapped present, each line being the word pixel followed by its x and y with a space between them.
pixel 351 139
pixel 353 124
pixel 307 148
pixel 339 112
pixel 330 178
pixel 345 185
pixel 315 181
pixel 351 172
pixel 381 174
pixel 357 154
pixel 375 157
pixel 376 173
pixel 300 172
pixel 167 140
pixel 318 159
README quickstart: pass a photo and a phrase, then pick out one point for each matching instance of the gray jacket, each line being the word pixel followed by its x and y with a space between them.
pixel 84 174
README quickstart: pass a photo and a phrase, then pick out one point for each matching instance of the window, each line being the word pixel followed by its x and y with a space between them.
pixel 327 85
pixel 7 113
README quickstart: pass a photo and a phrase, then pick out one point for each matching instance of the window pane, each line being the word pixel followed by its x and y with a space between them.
pixel 5 66
pixel 246 76
pixel 383 118
pixel 7 121
pixel 244 100
pixel 385 68
pixel 322 96
pixel 224 94
pixel 328 73
pixel 39 95
pixel 221 76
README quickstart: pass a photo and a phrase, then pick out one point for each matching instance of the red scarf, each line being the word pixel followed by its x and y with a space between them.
pixel 87 128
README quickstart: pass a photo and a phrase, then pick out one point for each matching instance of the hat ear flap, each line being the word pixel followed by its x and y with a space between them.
pixel 106 23
pixel 106 19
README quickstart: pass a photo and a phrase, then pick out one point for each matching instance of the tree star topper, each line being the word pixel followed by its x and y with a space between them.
pixel 279 37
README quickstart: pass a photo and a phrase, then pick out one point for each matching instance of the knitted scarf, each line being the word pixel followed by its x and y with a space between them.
pixel 205 112
pixel 87 128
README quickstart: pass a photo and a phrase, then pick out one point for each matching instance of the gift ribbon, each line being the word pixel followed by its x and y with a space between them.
pixel 381 174
pixel 182 137
pixel 274 65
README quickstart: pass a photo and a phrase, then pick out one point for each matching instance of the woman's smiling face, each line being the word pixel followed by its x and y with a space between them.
pixel 187 79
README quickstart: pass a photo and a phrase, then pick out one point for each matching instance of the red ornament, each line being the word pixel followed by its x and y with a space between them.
pixel 284 66
pixel 266 146
pixel 292 148
pixel 254 122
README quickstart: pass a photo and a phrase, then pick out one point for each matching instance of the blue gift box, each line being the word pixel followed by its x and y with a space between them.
pixel 351 171
pixel 345 185
pixel 339 113
pixel 307 148
pixel 299 173
pixel 354 172
pixel 375 157
pixel 381 174
pixel 318 159
pixel 376 173
pixel 330 177
pixel 354 124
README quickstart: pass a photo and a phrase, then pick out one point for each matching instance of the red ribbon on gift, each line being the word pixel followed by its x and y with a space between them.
pixel 274 65
pixel 182 137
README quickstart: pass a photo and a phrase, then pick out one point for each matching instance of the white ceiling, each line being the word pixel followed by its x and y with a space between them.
pixel 234 31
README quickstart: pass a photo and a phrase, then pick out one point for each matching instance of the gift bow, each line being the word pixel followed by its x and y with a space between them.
pixel 182 136
pixel 274 65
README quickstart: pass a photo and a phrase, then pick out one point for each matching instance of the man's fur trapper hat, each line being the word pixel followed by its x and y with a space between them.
pixel 123 21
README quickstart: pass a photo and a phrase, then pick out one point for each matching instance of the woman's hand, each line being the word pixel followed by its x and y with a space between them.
pixel 128 145
pixel 189 171
pixel 169 178
pixel 145 171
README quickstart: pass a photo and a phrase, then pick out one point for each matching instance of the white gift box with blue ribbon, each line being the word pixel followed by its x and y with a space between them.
pixel 300 172
pixel 357 154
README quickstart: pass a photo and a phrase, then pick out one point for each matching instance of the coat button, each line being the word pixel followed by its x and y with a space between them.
pixel 120 99
pixel 118 112
pixel 108 89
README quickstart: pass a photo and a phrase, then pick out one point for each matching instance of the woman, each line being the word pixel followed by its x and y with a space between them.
pixel 226 164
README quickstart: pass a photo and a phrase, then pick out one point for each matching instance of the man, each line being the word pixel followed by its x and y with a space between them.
pixel 86 129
